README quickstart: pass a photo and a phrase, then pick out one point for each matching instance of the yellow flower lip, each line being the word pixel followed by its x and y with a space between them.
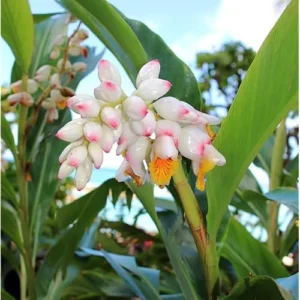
pixel 206 165
pixel 161 170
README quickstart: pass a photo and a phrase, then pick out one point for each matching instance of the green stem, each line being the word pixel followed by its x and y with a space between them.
pixel 275 181
pixel 28 280
pixel 194 217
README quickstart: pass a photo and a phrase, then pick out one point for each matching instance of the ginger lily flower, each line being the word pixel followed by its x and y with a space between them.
pixel 164 160
pixel 195 144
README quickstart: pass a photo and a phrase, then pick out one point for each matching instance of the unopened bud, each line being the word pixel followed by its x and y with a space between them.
pixel 55 54
pixel 43 73
pixel 64 65
pixel 54 81
pixel 79 66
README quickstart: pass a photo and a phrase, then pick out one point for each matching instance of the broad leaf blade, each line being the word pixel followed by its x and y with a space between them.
pixel 262 101
pixel 239 248
pixel 258 287
pixel 18 31
pixel 7 136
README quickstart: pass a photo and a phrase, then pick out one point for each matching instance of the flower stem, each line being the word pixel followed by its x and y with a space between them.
pixel 28 280
pixel 275 180
pixel 196 222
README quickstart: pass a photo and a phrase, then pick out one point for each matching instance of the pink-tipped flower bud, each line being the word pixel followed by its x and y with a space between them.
pixel 126 138
pixel 77 155
pixel 74 50
pixel 55 53
pixel 55 81
pixel 71 132
pixel 43 73
pixel 63 156
pixel 66 65
pixel 79 66
pixel 51 115
pixel 145 127
pixel 108 72
pixel 96 154
pixel 65 170
pixel 83 174
pixel 60 40
pixel 107 139
pixel 92 131
pixel 23 98
pixel 111 117
pixel 152 89
pixel 108 91
pixel 88 108
pixel 135 108
pixel 149 70
pixel 32 86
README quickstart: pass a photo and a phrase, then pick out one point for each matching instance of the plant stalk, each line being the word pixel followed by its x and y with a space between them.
pixel 196 222
pixel 29 279
pixel 275 181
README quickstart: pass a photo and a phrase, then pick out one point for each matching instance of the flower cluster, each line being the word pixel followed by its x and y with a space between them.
pixel 150 130
pixel 49 78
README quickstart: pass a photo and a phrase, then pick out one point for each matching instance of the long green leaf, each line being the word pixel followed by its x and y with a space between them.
pixel 260 104
pixel 7 191
pixel 248 254
pixel 258 287
pixel 10 224
pixel 18 31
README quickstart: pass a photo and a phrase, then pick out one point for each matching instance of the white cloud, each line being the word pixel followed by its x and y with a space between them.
pixel 241 20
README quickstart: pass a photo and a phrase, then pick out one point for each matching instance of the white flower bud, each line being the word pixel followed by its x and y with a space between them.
pixel 83 174
pixel 108 91
pixel 145 127
pixel 96 154
pixel 108 72
pixel 135 108
pixel 92 131
pixel 79 66
pixel 149 70
pixel 111 117
pixel 65 170
pixel 77 155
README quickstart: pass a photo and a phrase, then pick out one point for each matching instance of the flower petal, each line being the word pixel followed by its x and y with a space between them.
pixel 92 131
pixel 108 91
pixel 149 70
pixel 63 156
pixel 83 174
pixel 164 147
pixel 77 155
pixel 96 154
pixel 145 127
pixel 168 128
pixel 70 132
pixel 135 108
pixel 111 117
pixel 65 170
pixel 107 71
pixel 152 89
pixel 107 139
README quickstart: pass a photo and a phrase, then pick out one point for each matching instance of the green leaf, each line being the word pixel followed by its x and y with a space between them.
pixel 69 213
pixel 173 297
pixel 289 238
pixel 239 248
pixel 10 224
pixel 38 18
pixel 167 230
pixel 122 263
pixel 264 156
pixel 258 288
pixel 18 31
pixel 259 93
pixel 6 296
pixel 7 136
pixel 7 191
pixel 286 196
pixel 291 284
pixel 95 283
pixel 112 30
pixel 291 177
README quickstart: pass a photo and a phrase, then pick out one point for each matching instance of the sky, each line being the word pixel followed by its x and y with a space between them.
pixel 188 27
